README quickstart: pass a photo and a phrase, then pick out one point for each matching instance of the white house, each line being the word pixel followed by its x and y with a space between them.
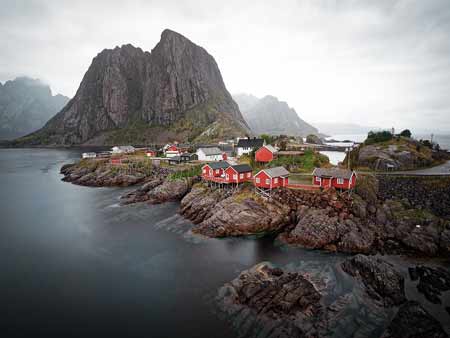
pixel 89 155
pixel 209 154
pixel 246 145
pixel 123 149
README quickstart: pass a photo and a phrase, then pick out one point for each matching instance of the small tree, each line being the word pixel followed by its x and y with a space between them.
pixel 406 133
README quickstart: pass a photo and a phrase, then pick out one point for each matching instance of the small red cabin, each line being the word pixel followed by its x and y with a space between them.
pixel 266 154
pixel 334 178
pixel 238 173
pixel 214 169
pixel 150 153
pixel 116 160
pixel 272 178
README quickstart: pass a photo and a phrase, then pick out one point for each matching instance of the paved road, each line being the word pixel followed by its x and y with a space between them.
pixel 440 170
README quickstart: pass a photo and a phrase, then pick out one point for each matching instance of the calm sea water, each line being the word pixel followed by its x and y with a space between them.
pixel 75 263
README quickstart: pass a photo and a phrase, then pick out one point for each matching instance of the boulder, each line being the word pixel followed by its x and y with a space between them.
pixel 273 302
pixel 243 214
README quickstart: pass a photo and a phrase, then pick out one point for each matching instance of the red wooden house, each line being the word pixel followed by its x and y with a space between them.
pixel 266 154
pixel 150 153
pixel 172 150
pixel 238 173
pixel 272 178
pixel 334 178
pixel 214 169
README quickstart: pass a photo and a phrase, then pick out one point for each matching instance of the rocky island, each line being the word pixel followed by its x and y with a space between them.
pixel 268 301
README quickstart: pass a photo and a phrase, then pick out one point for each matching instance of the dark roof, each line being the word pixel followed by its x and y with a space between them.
pixel 188 155
pixel 175 159
pixel 242 168
pixel 333 172
pixel 250 143
pixel 219 165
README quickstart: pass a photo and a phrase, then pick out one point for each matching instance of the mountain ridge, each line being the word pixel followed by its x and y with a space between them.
pixel 269 115
pixel 25 105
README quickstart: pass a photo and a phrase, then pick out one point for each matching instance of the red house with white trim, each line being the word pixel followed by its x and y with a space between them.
pixel 334 178
pixel 238 173
pixel 172 150
pixel 266 154
pixel 272 178
pixel 214 169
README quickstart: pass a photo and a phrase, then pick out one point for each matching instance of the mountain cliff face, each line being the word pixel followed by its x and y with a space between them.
pixel 176 92
pixel 25 105
pixel 271 116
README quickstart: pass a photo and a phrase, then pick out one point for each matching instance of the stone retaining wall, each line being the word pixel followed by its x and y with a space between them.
pixel 423 192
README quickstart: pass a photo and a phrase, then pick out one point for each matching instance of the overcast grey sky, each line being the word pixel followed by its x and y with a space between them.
pixel 382 63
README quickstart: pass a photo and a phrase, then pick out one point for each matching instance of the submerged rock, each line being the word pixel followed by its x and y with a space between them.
pixel 432 281
pixel 382 282
pixel 413 321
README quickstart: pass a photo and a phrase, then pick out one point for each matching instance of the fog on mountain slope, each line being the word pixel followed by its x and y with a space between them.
pixel 25 105
pixel 176 92
pixel 268 115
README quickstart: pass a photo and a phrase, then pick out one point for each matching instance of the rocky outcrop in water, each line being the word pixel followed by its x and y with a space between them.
pixel 131 96
pixel 25 105
pixel 382 282
pixel 413 321
pixel 273 302
pixel 169 190
pixel 239 214
pixel 99 173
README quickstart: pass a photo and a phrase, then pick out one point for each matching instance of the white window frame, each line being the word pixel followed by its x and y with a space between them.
pixel 267 180
pixel 318 179
pixel 217 171
pixel 241 176
pixel 275 180
pixel 249 174
pixel 340 181
pixel 257 180
pixel 235 176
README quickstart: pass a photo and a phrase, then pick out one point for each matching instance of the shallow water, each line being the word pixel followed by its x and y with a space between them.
pixel 74 262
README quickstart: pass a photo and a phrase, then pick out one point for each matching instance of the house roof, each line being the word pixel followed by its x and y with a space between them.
pixel 333 172
pixel 218 165
pixel 188 154
pixel 271 148
pixel 276 172
pixel 175 159
pixel 250 143
pixel 211 151
pixel 242 168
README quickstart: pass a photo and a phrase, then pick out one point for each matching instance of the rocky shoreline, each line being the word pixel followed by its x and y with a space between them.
pixel 267 301
pixel 358 222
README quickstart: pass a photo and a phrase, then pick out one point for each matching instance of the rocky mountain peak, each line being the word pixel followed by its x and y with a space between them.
pixel 174 92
